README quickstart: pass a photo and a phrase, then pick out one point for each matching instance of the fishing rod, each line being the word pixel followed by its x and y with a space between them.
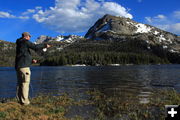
pixel 42 54
pixel 38 61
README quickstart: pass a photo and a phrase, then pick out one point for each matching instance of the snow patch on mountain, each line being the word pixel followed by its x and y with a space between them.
pixel 59 38
pixel 156 32
pixel 147 41
pixel 130 23
pixel 165 46
pixel 141 28
pixel 173 51
pixel 161 38
pixel 170 41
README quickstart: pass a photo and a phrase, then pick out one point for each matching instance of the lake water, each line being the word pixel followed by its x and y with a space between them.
pixel 138 80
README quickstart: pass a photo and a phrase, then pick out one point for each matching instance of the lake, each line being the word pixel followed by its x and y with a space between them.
pixel 137 80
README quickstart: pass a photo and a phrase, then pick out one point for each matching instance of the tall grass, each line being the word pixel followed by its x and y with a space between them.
pixel 106 107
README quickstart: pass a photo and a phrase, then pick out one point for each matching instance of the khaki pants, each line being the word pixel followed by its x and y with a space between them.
pixel 23 80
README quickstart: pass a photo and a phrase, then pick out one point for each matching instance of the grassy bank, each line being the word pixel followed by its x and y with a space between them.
pixel 106 107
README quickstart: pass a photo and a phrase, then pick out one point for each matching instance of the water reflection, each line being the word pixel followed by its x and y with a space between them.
pixel 123 81
pixel 8 82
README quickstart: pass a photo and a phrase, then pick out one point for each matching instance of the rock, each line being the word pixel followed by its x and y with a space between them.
pixel 43 38
pixel 119 28
pixel 60 38
pixel 4 100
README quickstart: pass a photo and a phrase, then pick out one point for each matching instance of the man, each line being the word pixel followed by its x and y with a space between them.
pixel 23 62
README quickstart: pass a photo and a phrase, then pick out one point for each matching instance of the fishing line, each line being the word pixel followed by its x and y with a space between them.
pixel 31 87
pixel 41 77
pixel 32 91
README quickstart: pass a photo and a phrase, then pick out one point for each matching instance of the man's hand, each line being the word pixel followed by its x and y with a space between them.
pixel 48 46
pixel 34 61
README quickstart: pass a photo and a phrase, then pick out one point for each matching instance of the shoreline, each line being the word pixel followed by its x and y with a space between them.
pixel 38 65
pixel 105 107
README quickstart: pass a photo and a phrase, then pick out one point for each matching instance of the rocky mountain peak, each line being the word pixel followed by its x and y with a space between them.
pixel 60 38
pixel 110 23
pixel 68 39
pixel 43 38
pixel 119 28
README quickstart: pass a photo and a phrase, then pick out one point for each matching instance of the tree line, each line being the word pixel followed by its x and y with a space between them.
pixel 91 52
pixel 106 52
pixel 102 58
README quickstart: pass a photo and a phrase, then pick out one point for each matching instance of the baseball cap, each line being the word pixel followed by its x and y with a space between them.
pixel 26 34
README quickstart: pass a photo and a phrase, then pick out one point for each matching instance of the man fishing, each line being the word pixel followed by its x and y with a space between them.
pixel 23 62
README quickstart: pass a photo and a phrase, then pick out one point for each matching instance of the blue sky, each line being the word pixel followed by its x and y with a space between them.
pixel 64 17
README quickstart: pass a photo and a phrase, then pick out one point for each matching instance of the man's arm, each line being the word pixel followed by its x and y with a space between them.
pixel 36 47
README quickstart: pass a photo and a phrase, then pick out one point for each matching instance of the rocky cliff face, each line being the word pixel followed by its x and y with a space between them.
pixel 60 38
pixel 43 38
pixel 122 29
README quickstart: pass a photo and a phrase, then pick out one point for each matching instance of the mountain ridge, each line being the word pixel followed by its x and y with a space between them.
pixel 111 40
pixel 59 38
pixel 123 23
pixel 120 28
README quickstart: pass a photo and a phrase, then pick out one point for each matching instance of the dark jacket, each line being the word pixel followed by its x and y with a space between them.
pixel 23 54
